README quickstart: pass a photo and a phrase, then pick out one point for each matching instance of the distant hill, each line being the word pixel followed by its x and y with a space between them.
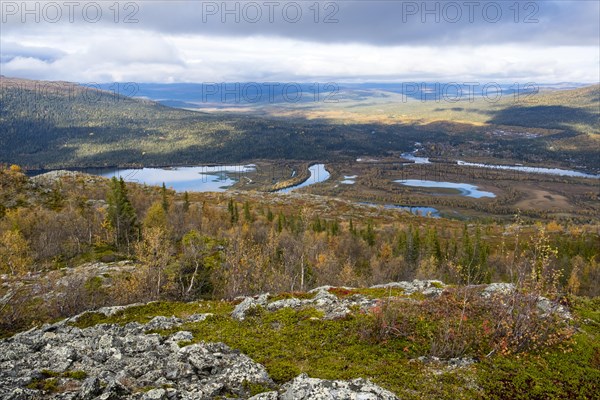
pixel 61 124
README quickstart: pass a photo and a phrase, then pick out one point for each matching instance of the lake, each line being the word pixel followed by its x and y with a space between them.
pixel 182 179
pixel 318 174
pixel 535 170
pixel 465 189
pixel 522 168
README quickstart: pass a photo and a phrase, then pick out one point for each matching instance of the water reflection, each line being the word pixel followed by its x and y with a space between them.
pixel 465 189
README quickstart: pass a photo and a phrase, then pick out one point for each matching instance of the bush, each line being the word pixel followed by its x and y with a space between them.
pixel 461 322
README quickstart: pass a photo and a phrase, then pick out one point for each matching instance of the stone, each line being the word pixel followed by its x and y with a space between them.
pixel 497 288
pixel 155 394
pixel 90 388
pixel 121 360
pixel 248 303
pixel 161 322
pixel 305 388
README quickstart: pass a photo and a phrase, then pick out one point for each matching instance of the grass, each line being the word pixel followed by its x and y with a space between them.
pixel 144 313
pixel 568 371
pixel 50 382
pixel 289 342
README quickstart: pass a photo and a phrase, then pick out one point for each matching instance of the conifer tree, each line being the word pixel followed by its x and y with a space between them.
pixel 121 214
pixel 186 201
pixel 165 199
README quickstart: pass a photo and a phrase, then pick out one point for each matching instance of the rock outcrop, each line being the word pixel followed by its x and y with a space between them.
pixel 106 362
pixel 110 361
pixel 331 305
pixel 122 362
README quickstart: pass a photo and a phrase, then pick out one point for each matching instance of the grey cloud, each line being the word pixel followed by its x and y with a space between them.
pixel 11 50
pixel 376 22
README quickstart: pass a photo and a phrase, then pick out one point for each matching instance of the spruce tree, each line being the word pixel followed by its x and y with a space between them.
pixel 165 199
pixel 121 214
pixel 186 201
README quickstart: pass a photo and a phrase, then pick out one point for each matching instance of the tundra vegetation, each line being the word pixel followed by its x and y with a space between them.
pixel 71 242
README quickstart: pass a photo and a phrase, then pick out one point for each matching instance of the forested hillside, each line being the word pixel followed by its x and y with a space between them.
pixel 226 245
pixel 59 124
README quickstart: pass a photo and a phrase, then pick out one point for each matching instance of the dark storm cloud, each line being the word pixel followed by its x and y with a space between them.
pixel 380 23
pixel 389 22
pixel 384 22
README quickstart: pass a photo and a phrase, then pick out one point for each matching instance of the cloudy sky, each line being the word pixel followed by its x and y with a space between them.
pixel 312 40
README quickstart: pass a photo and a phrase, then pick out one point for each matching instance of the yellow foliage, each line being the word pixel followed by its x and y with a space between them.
pixel 14 253
pixel 553 226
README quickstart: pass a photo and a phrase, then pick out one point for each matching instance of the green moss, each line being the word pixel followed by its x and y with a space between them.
pixel 418 296
pixel 48 385
pixel 568 371
pixel 373 293
pixel 145 313
pixel 255 388
pixel 78 375
pixel 89 319
pixel 588 311
pixel 289 342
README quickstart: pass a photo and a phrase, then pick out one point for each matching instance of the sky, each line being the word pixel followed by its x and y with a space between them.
pixel 301 41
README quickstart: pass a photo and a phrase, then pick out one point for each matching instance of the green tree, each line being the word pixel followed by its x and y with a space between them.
pixel 412 245
pixel 369 234
pixel 199 255
pixel 247 214
pixel 186 201
pixel 165 198
pixel 121 214
pixel 233 211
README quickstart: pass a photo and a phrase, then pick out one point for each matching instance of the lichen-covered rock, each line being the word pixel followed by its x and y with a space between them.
pixel 305 388
pixel 427 287
pixel 119 361
pixel 545 306
pixel 325 301
pixel 497 288
pixel 161 322
pixel 249 303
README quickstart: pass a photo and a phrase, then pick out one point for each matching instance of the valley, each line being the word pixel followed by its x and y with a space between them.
pixel 300 200
pixel 179 212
